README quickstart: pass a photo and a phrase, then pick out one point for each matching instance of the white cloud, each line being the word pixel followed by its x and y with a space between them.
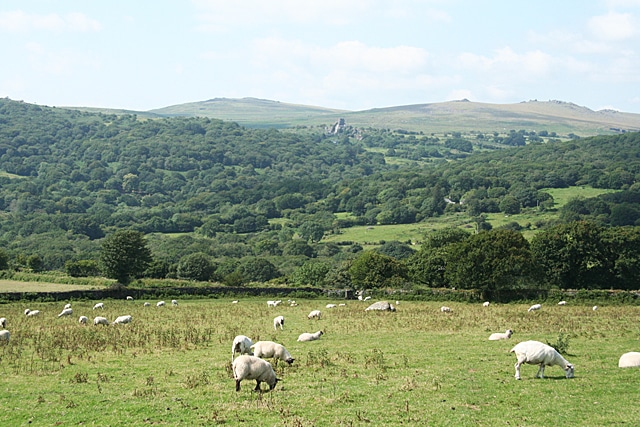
pixel 613 26
pixel 505 60
pixel 19 21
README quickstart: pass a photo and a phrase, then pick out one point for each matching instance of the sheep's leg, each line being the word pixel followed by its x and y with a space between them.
pixel 540 373
pixel 237 385
pixel 518 363
pixel 257 386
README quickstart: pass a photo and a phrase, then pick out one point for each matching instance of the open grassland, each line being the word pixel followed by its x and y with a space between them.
pixel 417 366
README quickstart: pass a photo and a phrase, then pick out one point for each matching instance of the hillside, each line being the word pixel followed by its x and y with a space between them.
pixel 464 116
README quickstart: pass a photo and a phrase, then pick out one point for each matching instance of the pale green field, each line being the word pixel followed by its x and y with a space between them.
pixel 418 366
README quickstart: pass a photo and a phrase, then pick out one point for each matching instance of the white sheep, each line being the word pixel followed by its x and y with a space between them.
pixel 315 314
pixel 534 307
pixel 234 301
pixel 342 305
pixel 562 302
pixel 31 313
pixel 121 320
pixel 501 335
pixel 160 304
pixel 270 349
pixel 146 304
pixel 99 305
pixel 331 306
pixel 310 337
pixel 67 306
pixel 100 321
pixel 5 335
pixel 242 345
pixel 3 322
pixel 66 312
pixel 486 304
pixel 83 320
pixel 174 302
pixel 537 353
pixel 273 303
pixel 253 368
pixel 595 307
pixel 129 298
pixel 445 309
pixel 629 360
pixel 278 321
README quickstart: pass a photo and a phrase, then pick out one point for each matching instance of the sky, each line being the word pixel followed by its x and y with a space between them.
pixel 343 54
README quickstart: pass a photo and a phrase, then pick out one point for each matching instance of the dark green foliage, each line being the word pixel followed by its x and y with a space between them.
pixel 82 268
pixel 311 273
pixel 195 266
pixel 4 259
pixel 372 269
pixel 124 255
pixel 396 250
pixel 257 270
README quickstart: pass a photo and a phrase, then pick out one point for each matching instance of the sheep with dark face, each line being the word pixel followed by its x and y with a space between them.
pixel 537 353
pixel 247 367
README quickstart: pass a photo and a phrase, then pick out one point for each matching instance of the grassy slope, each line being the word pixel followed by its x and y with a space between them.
pixel 413 367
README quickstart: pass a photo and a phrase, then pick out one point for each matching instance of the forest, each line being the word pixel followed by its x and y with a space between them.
pixel 216 201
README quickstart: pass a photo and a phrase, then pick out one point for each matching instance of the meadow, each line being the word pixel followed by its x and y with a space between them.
pixel 417 366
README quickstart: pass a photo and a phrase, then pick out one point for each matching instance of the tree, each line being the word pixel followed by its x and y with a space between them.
pixel 195 266
pixel 124 255
pixel 4 260
pixel 374 270
pixel 310 273
pixel 257 270
pixel 311 231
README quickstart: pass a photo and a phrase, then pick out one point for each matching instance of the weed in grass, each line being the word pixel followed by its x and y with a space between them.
pixel 376 359
pixel 561 345
pixel 196 380
pixel 80 378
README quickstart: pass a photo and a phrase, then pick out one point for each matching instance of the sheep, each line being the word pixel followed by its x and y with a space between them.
pixel 562 303
pixel 273 303
pixel 174 302
pixel 83 320
pixel 595 307
pixel 66 306
pixel 234 301
pixel 629 360
pixel 486 304
pixel 3 322
pixel 501 335
pixel 160 304
pixel 342 305
pixel 31 313
pixel 5 335
pixel 129 298
pixel 270 349
pixel 534 307
pixel 241 344
pixel 278 321
pixel 121 320
pixel 315 314
pixel 66 312
pixel 146 304
pixel 331 306
pixel 98 305
pixel 537 353
pixel 100 321
pixel 253 368
pixel 310 337
pixel 445 309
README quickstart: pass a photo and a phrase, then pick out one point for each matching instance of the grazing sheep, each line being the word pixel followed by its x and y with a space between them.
pixel 99 305
pixel 342 305
pixel 31 313
pixel 234 302
pixel 629 360
pixel 537 353
pixel 3 322
pixel 146 304
pixel 595 307
pixel 83 320
pixel 270 349
pixel 331 306
pixel 380 306
pixel 66 306
pixel 160 304
pixel 310 337
pixel 129 298
pixel 273 303
pixel 121 320
pixel 278 321
pixel 253 368
pixel 501 335
pixel 174 302
pixel 486 304
pixel 534 307
pixel 4 335
pixel 562 303
pixel 445 309
pixel 242 345
pixel 315 314
pixel 100 321
pixel 66 312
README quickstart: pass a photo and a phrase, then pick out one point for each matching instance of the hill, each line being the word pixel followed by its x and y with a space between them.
pixel 462 116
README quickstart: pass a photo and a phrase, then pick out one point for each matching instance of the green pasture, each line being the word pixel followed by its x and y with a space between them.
pixel 417 366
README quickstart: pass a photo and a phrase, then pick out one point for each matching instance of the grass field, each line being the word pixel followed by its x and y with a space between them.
pixel 418 366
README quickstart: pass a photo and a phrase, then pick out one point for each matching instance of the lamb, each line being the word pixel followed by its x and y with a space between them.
pixel 241 344
pixel 66 312
pixel 253 368
pixel 3 322
pixel 310 337
pixel 31 313
pixel 445 309
pixel 100 321
pixel 537 353
pixel 273 350
pixel 273 303
pixel 278 321
pixel 501 335
pixel 160 304
pixel 317 314
pixel 174 302
pixel 5 335
pixel 121 320
pixel 629 360
pixel 331 306
pixel 99 305
pixel 534 307
pixel 562 303
pixel 83 320
pixel 486 304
